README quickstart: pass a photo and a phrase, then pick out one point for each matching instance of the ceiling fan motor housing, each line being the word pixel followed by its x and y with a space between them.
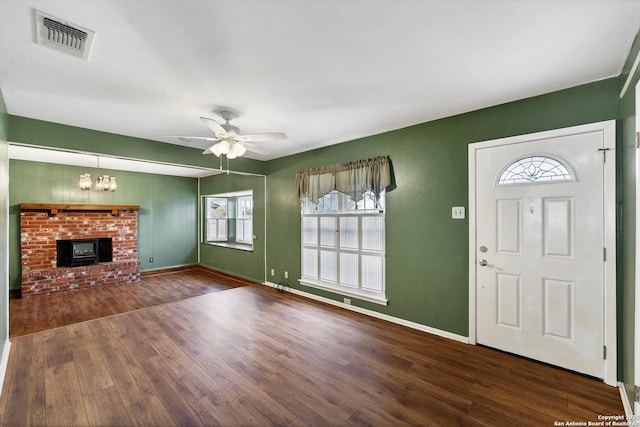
pixel 231 129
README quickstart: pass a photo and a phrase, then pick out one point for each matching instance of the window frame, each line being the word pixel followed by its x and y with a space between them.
pixel 243 218
pixel 338 209
pixel 559 172
pixel 230 221
pixel 218 220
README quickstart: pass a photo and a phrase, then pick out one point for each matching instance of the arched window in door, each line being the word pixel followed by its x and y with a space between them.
pixel 535 168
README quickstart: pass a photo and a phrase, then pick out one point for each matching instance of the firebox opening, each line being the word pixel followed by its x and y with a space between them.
pixel 80 252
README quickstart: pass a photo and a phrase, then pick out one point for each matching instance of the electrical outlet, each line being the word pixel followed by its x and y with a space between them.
pixel 286 274
pixel 273 273
pixel 457 212
pixel 347 301
pixel 150 259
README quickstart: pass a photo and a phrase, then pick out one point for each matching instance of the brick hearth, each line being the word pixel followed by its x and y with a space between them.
pixel 39 231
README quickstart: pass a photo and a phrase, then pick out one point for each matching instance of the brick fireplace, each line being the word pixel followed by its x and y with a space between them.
pixel 42 224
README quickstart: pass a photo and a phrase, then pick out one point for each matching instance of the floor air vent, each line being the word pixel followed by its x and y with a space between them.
pixel 63 36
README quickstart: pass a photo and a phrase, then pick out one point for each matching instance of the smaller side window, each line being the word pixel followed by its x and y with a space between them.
pixel 244 220
pixel 216 219
pixel 228 220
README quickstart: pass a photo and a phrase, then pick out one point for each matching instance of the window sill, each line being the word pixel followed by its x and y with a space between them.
pixel 239 246
pixel 376 299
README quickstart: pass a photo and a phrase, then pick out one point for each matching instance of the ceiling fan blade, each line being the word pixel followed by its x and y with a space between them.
pixel 269 136
pixel 253 148
pixel 192 138
pixel 216 127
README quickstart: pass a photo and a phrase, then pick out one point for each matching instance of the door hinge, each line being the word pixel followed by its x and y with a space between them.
pixel 604 352
pixel 604 154
pixel 604 254
pixel 637 139
pixel 636 393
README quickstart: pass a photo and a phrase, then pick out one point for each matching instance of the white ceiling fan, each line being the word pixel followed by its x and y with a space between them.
pixel 228 139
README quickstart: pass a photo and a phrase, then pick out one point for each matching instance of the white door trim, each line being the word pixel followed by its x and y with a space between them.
pixel 608 128
pixel 636 344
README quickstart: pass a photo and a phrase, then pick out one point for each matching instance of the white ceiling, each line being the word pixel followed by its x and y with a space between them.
pixel 324 72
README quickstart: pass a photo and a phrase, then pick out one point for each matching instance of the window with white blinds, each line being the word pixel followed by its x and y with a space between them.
pixel 228 220
pixel 244 221
pixel 343 245
pixel 216 226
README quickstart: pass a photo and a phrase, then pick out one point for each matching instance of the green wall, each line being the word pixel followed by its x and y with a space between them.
pixel 627 217
pixel 242 263
pixel 38 132
pixel 167 220
pixel 426 251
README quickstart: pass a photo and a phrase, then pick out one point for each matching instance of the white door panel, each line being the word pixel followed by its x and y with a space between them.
pixel 509 226
pixel 557 227
pixel 509 300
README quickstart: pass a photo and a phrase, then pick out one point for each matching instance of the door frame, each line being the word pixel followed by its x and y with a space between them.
pixel 636 338
pixel 608 129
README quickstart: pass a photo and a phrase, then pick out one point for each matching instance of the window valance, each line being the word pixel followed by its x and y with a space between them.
pixel 352 179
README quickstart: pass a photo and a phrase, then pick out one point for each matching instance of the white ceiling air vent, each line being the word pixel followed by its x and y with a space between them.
pixel 63 36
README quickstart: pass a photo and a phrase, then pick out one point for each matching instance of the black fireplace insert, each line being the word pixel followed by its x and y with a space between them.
pixel 79 252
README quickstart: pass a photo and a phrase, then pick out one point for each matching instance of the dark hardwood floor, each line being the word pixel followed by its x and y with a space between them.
pixel 250 356
pixel 44 312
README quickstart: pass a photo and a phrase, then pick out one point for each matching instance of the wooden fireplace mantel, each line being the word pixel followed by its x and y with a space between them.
pixel 54 208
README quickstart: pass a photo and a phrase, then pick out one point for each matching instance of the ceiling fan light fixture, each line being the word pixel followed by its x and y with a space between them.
pixel 223 147
pixel 233 151
pixel 236 150
pixel 214 149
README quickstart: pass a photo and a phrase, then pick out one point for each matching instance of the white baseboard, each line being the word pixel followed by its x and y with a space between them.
pixel 4 362
pixel 628 407
pixel 403 322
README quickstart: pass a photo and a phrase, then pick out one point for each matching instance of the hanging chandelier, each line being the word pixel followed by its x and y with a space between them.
pixel 103 182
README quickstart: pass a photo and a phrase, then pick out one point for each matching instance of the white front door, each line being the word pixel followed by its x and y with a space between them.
pixel 540 249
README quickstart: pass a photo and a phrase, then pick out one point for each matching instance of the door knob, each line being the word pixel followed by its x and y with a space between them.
pixel 483 262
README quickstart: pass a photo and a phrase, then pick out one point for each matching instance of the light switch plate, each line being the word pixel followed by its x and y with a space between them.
pixel 458 212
